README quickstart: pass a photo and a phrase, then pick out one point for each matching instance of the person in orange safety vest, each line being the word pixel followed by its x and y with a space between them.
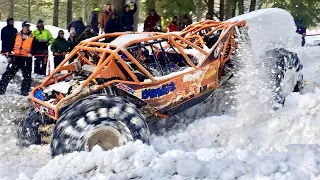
pixel 23 46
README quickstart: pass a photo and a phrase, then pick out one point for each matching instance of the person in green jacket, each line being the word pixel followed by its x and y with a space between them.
pixel 59 48
pixel 44 39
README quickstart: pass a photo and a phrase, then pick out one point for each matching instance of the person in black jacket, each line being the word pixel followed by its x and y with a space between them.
pixel 113 24
pixel 94 20
pixel 127 17
pixel 72 40
pixel 88 33
pixel 78 26
pixel 7 35
pixel 23 45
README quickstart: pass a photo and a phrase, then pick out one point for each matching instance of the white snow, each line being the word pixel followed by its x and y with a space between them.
pixel 269 31
pixel 124 39
pixel 62 87
pixel 284 144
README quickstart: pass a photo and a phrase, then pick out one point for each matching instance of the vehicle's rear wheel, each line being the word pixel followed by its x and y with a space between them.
pixel 28 129
pixel 102 120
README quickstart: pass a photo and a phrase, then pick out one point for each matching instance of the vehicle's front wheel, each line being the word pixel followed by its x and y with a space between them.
pixel 102 120
pixel 285 68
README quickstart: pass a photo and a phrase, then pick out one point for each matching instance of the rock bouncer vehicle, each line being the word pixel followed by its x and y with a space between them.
pixel 115 84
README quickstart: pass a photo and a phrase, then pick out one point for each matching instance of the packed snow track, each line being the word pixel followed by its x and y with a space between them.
pixel 282 144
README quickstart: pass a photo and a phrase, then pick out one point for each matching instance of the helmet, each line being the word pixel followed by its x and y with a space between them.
pixel 97 9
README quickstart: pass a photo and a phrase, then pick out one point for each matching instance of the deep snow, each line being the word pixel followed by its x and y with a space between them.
pixel 285 145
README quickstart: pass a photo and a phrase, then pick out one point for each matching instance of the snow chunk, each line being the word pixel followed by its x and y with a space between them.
pixel 308 101
pixel 62 87
pixel 122 40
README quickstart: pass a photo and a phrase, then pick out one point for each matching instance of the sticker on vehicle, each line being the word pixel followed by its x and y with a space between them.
pixel 158 92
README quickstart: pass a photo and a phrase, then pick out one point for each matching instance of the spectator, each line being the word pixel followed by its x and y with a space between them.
pixel 59 48
pixel 173 25
pixel 88 33
pixel 72 40
pixel 106 15
pixel 152 22
pixel 23 46
pixel 184 21
pixel 44 39
pixel 94 22
pixel 113 24
pixel 209 16
pixel 7 34
pixel 301 30
pixel 78 25
pixel 127 17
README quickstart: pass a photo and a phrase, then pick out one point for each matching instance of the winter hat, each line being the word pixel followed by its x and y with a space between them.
pixel 97 9
pixel 112 13
pixel 39 21
pixel 9 19
pixel 25 23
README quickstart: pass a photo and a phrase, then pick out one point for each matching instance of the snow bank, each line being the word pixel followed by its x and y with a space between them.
pixel 267 30
pixel 135 161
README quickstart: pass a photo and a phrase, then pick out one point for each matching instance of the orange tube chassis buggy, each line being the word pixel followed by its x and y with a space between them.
pixel 162 94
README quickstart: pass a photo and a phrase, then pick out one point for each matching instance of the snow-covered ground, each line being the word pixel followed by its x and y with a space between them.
pixel 284 144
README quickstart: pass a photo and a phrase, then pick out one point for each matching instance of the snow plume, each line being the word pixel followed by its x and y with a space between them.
pixel 252 93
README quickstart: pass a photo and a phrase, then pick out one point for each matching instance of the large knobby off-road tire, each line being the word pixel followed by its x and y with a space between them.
pixel 285 71
pixel 28 129
pixel 102 120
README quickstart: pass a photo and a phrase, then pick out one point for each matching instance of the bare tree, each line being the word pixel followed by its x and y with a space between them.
pixel 253 5
pixel 200 7
pixel 229 9
pixel 69 11
pixel 119 4
pixel 221 10
pixel 241 6
pixel 136 18
pixel 11 12
pixel 234 7
pixel 55 13
pixel 84 9
pixel 29 10
pixel 210 6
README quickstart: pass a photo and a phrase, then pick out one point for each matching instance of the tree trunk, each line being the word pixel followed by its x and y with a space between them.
pixel 55 13
pixel 210 6
pixel 253 5
pixel 119 4
pixel 229 9
pixel 69 11
pixel 241 6
pixel 84 9
pixel 29 10
pixel 150 4
pixel 136 17
pixel 234 7
pixel 11 12
pixel 199 7
pixel 221 14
